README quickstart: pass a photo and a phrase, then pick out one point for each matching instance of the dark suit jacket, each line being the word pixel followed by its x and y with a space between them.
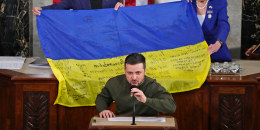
pixel 216 27
pixel 80 4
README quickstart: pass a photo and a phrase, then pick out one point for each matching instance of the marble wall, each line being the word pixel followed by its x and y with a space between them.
pixel 14 26
pixel 234 38
pixel 37 49
pixel 250 24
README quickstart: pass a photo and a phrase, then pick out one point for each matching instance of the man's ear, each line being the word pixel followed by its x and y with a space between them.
pixel 125 70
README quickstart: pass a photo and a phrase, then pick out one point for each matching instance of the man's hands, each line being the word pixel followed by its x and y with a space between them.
pixel 139 95
pixel 249 51
pixel 189 0
pixel 106 114
pixel 36 11
pixel 214 47
pixel 118 4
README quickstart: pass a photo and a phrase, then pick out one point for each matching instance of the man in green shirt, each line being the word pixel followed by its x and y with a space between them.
pixel 149 96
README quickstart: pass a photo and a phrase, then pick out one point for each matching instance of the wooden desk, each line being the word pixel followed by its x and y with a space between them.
pixel 26 99
pixel 104 124
pixel 223 102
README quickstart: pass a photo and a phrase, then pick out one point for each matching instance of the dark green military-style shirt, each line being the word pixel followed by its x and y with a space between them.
pixel 118 89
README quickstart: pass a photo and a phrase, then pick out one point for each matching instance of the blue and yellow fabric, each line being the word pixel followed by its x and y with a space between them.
pixel 87 47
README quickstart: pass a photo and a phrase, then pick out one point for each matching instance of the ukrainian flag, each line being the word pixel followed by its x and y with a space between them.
pixel 87 47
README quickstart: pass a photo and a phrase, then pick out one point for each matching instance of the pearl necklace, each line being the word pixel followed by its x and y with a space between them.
pixel 203 6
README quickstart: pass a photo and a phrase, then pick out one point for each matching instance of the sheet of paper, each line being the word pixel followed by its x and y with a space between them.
pixel 154 119
pixel 11 62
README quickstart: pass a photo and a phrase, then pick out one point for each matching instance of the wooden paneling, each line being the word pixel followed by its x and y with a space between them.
pixel 257 111
pixel 7 104
pixel 231 112
pixel 36 110
pixel 27 101
pixel 76 118
pixel 232 106
pixel 192 109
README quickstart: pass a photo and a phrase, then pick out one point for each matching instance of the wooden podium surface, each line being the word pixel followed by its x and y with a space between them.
pixel 102 123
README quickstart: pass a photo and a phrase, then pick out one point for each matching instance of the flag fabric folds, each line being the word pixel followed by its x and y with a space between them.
pixel 87 47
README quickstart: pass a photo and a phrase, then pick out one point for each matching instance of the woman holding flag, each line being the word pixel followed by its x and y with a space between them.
pixel 212 15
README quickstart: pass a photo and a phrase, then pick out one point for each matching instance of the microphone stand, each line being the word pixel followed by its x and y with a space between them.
pixel 133 120
pixel 133 97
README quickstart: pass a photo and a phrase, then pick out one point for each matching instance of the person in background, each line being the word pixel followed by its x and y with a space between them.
pixel 134 86
pixel 78 5
pixel 250 50
pixel 213 18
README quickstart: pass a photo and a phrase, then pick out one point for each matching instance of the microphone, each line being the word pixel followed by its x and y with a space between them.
pixel 133 86
pixel 133 119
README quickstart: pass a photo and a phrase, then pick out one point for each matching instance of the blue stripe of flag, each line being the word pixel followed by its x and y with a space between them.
pixel 106 33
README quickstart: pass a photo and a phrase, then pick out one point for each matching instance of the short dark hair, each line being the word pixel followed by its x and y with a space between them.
pixel 135 58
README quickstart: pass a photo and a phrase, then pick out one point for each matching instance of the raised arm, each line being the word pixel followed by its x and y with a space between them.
pixel 249 51
pixel 158 99
pixel 65 4
pixel 118 5
pixel 223 28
